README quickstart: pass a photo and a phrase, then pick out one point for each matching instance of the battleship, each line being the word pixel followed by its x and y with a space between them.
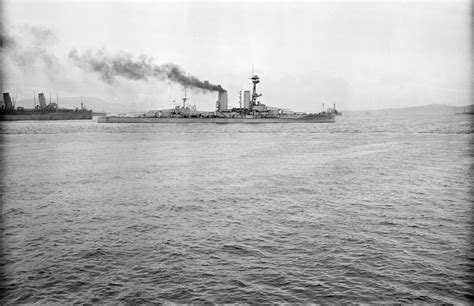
pixel 252 111
pixel 41 111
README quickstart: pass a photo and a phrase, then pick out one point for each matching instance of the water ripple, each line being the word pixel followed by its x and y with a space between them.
pixel 367 210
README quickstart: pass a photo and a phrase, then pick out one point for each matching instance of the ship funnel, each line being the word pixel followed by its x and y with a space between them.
pixel 222 100
pixel 42 100
pixel 247 99
pixel 7 100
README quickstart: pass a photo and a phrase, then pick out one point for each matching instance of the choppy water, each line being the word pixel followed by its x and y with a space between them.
pixel 369 209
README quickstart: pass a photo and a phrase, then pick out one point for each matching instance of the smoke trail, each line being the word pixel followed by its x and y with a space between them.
pixel 28 46
pixel 142 68
pixel 5 41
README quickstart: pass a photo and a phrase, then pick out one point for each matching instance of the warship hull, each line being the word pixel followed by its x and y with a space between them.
pixel 79 115
pixel 214 120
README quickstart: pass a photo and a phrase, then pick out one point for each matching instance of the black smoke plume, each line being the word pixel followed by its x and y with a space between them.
pixel 142 68
pixel 5 41
pixel 29 46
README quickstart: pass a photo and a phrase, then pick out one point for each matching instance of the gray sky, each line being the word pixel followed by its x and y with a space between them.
pixel 358 54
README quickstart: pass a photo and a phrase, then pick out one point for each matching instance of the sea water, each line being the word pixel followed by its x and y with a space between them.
pixel 372 208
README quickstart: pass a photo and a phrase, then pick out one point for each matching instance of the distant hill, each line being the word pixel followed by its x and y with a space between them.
pixel 96 104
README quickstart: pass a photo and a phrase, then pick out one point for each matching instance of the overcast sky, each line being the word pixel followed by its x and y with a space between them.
pixel 358 54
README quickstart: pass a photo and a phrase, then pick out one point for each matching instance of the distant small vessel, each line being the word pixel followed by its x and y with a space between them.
pixel 41 111
pixel 469 111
